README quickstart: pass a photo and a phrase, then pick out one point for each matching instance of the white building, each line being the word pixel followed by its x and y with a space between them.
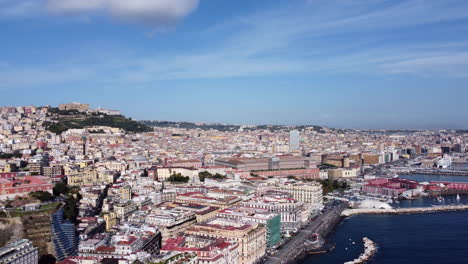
pixel 19 252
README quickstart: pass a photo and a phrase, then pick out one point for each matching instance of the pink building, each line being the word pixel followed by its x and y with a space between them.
pixel 22 186
pixel 208 250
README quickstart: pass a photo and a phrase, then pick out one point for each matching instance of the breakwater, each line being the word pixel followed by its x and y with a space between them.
pixel 434 209
pixel 369 250
pixel 440 172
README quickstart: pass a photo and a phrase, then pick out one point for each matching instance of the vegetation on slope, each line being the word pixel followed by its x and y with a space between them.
pixel 72 119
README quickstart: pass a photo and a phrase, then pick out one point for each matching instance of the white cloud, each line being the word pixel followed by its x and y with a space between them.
pixel 157 14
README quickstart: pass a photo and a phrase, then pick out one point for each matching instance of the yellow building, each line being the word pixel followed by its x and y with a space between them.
pixel 9 167
pixel 123 210
pixel 343 173
pixel 86 176
pixel 126 193
pixel 111 220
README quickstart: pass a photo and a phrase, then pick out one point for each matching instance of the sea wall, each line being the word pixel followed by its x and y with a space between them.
pixel 350 212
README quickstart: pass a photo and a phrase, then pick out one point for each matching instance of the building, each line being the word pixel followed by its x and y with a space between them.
pixel 64 236
pixel 170 221
pixel 163 173
pixel 35 168
pixel 123 210
pixel 22 186
pixel 372 158
pixel 261 164
pixel 294 140
pixel 19 252
pixel 271 221
pixel 74 106
pixel 208 250
pixel 310 173
pixel 125 193
pixel 185 163
pixel 343 173
pixel 85 176
pixel 52 171
pixel 251 237
pixel 203 199
pixel 389 187
pixel 291 210
pixel 142 243
pixel 111 220
pixel 310 193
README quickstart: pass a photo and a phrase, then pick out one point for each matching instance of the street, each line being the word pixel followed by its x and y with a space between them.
pixel 330 212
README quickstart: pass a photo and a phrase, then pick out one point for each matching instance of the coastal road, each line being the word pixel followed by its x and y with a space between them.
pixel 283 254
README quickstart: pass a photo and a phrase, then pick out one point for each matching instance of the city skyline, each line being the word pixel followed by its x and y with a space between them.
pixel 354 64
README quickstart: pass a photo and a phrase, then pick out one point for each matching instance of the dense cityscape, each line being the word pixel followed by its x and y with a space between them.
pixel 100 191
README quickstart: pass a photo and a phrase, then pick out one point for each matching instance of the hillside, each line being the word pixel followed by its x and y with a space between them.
pixel 70 119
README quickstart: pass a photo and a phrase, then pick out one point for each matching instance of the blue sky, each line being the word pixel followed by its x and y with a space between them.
pixel 340 63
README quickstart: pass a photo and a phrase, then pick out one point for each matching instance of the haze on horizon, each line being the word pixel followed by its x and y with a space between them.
pixel 386 64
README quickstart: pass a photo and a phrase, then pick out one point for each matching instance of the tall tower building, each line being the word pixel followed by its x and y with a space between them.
pixel 63 236
pixel 294 137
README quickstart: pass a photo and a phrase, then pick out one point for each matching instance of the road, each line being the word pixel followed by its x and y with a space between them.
pixel 297 241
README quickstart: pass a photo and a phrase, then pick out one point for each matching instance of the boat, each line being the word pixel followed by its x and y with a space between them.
pixel 440 199
pixel 458 197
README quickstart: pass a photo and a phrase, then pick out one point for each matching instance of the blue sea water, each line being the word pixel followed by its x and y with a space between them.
pixel 427 178
pixel 402 239
pixel 405 239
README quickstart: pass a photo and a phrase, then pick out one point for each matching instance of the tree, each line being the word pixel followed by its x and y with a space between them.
pixel 60 188
pixel 41 196
pixel 203 175
pixel 178 178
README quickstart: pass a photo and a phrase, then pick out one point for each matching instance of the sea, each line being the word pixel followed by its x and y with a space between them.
pixel 411 238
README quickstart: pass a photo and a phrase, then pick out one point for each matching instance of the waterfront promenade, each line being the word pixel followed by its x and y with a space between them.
pixel 434 209
pixel 293 250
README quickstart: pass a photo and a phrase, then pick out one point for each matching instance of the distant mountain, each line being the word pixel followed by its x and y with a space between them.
pixel 62 120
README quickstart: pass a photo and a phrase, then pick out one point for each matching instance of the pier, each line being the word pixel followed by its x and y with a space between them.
pixel 434 209
pixel 440 172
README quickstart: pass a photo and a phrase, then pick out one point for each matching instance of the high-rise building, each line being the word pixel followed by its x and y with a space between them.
pixel 19 252
pixel 294 137
pixel 63 236
pixel 458 148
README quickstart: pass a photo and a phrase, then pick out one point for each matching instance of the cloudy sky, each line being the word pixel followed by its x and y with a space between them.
pixel 340 63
